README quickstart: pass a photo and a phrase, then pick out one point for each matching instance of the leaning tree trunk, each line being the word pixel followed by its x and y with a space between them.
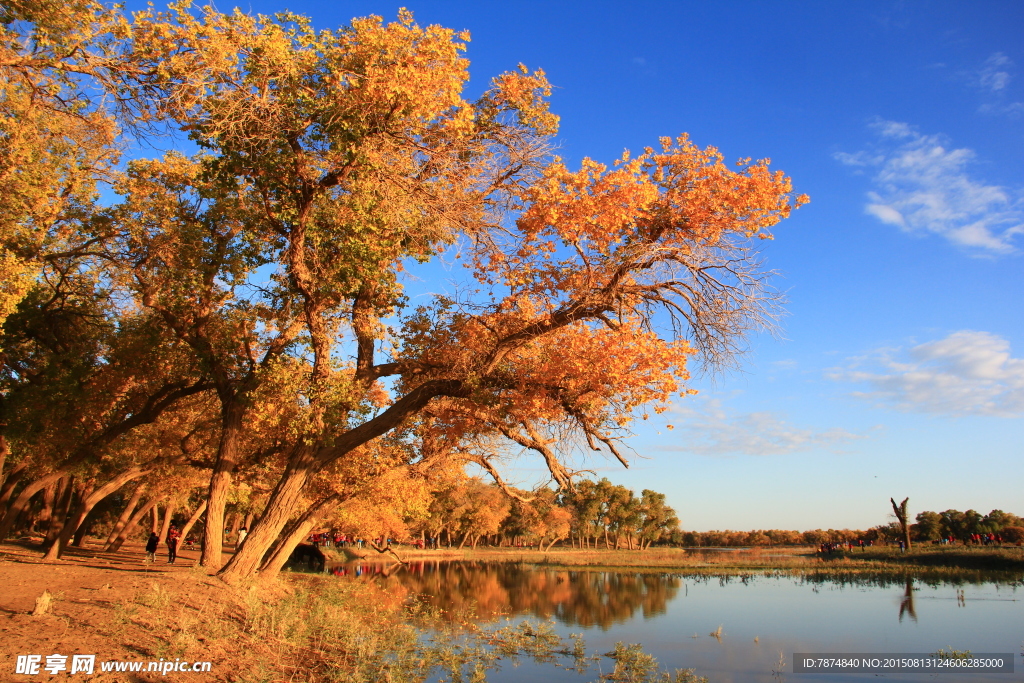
pixel 193 519
pixel 126 515
pixel 21 502
pixel 247 559
pixel 10 482
pixel 130 526
pixel 68 526
pixel 168 516
pixel 278 557
pixel 87 500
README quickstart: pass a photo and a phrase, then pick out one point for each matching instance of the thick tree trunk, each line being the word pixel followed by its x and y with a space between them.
pixel 278 557
pixel 902 516
pixel 82 492
pixel 20 503
pixel 129 508
pixel 154 522
pixel 46 514
pixel 66 490
pixel 220 482
pixel 10 482
pixel 166 524
pixel 130 526
pixel 247 559
pixel 192 520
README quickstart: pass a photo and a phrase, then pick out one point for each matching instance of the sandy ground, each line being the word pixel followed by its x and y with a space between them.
pixel 112 605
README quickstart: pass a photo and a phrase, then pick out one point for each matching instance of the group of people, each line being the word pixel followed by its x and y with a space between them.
pixel 327 539
pixel 173 534
pixel 833 546
pixel 986 539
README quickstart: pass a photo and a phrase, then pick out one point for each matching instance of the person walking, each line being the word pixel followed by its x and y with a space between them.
pixel 151 545
pixel 172 544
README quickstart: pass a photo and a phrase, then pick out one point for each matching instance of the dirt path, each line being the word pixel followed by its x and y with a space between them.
pixel 112 605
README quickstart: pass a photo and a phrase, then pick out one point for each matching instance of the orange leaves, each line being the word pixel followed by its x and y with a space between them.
pixel 525 93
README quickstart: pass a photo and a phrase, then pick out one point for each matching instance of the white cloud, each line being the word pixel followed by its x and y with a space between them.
pixel 967 373
pixel 994 75
pixel 923 186
pixel 710 429
pixel 992 80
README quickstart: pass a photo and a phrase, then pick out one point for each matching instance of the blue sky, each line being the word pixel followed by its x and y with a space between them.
pixel 899 369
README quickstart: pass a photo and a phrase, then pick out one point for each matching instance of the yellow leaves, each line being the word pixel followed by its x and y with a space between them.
pixel 526 94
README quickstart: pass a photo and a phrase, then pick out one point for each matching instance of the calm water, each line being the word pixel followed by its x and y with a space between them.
pixel 673 615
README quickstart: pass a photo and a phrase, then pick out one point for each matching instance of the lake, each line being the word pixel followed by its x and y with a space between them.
pixel 676 615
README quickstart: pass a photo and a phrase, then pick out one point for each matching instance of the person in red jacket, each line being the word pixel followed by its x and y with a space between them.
pixel 172 544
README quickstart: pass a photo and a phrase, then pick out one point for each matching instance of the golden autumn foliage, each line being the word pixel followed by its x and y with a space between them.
pixel 267 267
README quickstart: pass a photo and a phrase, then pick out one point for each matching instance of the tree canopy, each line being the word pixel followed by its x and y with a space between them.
pixel 236 304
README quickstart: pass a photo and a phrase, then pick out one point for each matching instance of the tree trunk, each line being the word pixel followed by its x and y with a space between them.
pixel 5 450
pixel 79 536
pixel 154 522
pixel 66 490
pixel 130 526
pixel 279 555
pixel 46 514
pixel 247 559
pixel 902 516
pixel 220 482
pixel 22 500
pixel 88 500
pixel 236 524
pixel 129 508
pixel 168 516
pixel 192 520
pixel 83 492
pixel 9 483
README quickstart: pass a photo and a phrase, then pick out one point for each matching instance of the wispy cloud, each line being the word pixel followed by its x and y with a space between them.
pixel 708 428
pixel 995 75
pixel 993 79
pixel 966 373
pixel 923 185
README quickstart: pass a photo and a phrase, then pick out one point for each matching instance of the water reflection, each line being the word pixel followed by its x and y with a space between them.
pixel 595 598
pixel 739 622
pixel 490 589
pixel 907 603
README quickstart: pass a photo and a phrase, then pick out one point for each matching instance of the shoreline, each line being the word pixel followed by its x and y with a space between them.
pixel 1005 558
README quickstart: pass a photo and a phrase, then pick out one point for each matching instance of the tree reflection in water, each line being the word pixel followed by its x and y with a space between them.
pixel 492 589
pixel 907 604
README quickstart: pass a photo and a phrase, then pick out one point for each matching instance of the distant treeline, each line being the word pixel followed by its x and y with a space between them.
pixel 930 526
